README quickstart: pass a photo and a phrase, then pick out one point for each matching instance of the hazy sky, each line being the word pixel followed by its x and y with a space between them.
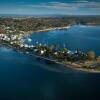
pixel 44 7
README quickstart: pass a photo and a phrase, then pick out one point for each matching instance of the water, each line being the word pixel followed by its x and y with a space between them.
pixel 78 36
pixel 23 77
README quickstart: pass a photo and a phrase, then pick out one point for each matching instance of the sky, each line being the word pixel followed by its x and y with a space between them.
pixel 45 7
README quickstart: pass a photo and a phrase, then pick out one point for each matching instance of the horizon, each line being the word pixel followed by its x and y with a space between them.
pixel 42 16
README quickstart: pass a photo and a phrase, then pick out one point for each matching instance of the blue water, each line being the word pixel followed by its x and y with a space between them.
pixel 23 77
pixel 78 36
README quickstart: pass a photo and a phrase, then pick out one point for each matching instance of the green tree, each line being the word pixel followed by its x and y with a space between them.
pixel 65 50
pixel 91 55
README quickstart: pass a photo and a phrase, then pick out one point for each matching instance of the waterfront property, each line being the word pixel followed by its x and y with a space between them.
pixel 76 59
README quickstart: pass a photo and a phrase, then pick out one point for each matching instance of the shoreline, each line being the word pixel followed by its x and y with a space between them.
pixel 52 28
pixel 45 58
pixel 45 30
pixel 71 66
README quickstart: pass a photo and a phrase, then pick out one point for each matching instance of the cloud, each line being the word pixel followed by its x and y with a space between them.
pixel 75 7
pixel 66 6
pixel 81 1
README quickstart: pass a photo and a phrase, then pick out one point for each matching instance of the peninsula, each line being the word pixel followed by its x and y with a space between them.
pixel 12 31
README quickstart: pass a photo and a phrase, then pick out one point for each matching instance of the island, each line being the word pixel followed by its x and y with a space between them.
pixel 12 31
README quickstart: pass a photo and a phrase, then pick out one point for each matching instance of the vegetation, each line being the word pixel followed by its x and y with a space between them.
pixel 80 59
pixel 63 54
pixel 17 25
pixel 13 29
pixel 91 55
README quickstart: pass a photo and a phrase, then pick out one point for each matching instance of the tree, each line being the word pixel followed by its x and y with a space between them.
pixel 91 55
pixel 48 51
pixel 65 50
